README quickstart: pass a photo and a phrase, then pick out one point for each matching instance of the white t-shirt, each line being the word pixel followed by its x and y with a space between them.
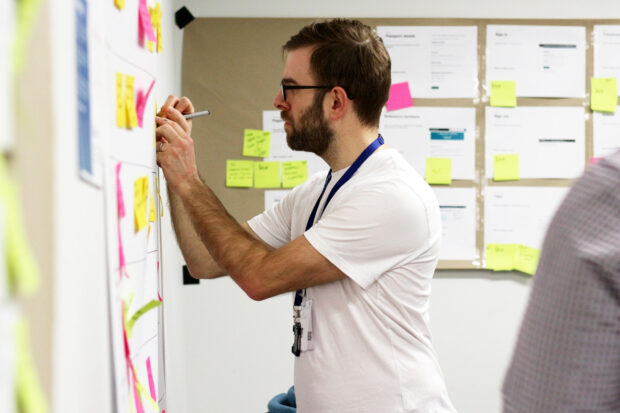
pixel 372 345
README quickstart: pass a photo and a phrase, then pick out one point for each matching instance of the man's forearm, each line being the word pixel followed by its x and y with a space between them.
pixel 232 247
pixel 197 257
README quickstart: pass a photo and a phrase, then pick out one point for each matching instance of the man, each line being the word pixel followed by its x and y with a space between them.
pixel 567 357
pixel 358 245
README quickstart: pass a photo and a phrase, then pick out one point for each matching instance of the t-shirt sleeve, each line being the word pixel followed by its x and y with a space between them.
pixel 372 231
pixel 274 226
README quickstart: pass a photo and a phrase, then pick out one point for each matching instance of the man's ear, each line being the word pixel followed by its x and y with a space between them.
pixel 339 103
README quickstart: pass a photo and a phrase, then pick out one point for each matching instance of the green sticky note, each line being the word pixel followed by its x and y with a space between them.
pixel 266 174
pixel 604 94
pixel 256 143
pixel 439 171
pixel 506 167
pixel 504 93
pixel 143 310
pixel 239 174
pixel 294 173
pixel 500 257
pixel 526 259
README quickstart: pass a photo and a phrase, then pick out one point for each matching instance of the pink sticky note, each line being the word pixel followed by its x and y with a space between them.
pixel 141 100
pixel 136 398
pixel 594 160
pixel 120 208
pixel 151 381
pixel 400 96
pixel 145 21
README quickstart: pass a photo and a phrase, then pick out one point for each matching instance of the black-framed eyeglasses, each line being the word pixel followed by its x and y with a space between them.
pixel 284 88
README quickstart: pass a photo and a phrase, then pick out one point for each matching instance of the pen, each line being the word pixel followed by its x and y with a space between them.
pixel 196 114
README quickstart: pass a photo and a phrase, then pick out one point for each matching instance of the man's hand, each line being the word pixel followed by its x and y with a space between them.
pixel 183 105
pixel 175 148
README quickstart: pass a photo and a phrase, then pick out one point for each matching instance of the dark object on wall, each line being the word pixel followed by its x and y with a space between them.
pixel 183 17
pixel 187 278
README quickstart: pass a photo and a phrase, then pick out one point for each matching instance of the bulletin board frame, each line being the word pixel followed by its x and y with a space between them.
pixel 233 66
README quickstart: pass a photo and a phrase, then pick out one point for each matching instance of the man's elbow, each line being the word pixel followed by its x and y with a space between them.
pixel 255 289
pixel 201 272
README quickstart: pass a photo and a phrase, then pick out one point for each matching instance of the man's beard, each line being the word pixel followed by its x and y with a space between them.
pixel 313 133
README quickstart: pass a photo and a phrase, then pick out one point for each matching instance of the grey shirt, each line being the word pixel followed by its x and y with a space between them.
pixel 567 357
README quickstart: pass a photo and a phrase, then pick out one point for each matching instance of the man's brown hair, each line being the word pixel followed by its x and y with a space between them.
pixel 349 54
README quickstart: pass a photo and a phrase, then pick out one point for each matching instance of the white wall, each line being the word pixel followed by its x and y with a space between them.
pixel 229 354
pixel 81 345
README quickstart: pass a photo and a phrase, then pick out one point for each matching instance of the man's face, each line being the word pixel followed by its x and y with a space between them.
pixel 304 121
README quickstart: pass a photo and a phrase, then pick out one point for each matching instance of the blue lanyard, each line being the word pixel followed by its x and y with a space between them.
pixel 343 180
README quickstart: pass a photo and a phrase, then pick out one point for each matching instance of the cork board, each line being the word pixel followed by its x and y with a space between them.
pixel 233 66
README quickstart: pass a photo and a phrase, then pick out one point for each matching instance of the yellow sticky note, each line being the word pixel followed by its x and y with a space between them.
pixel 504 93
pixel 526 259
pixel 267 175
pixel 604 94
pixel 439 171
pixel 121 111
pixel 500 257
pixel 256 143
pixel 294 173
pixel 152 212
pixel 30 396
pixel 239 174
pixel 141 193
pixel 160 46
pixel 506 167
pixel 120 4
pixel 130 102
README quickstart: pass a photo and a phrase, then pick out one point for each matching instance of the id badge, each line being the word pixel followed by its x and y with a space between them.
pixel 305 316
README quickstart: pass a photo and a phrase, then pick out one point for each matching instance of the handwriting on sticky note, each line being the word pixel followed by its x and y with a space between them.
pixel 526 259
pixel 267 175
pixel 141 193
pixel 239 174
pixel 152 212
pixel 294 173
pixel 130 102
pixel 504 93
pixel 500 257
pixel 604 94
pixel 506 167
pixel 256 143
pixel 157 25
pixel 121 111
pixel 438 171
pixel 400 96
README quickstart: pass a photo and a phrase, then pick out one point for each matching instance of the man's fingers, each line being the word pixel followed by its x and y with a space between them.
pixel 184 105
pixel 167 132
pixel 178 117
pixel 171 101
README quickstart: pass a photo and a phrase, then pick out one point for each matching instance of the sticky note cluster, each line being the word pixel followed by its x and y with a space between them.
pixel 508 257
pixel 252 174
pixel 126 113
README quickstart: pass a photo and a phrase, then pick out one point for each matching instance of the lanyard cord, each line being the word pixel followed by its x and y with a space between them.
pixel 343 180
